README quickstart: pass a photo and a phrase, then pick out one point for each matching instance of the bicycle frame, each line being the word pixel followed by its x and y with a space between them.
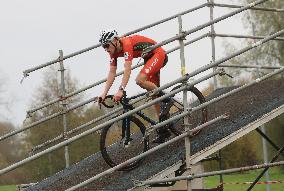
pixel 126 122
pixel 132 128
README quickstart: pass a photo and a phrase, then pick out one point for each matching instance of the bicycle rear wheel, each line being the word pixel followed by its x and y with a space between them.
pixel 174 108
pixel 112 143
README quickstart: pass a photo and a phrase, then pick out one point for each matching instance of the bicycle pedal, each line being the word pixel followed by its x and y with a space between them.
pixel 126 145
pixel 127 142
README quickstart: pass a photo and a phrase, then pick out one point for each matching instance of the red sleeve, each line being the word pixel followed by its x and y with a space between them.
pixel 113 61
pixel 127 50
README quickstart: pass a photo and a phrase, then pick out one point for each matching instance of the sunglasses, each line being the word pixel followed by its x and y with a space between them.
pixel 106 46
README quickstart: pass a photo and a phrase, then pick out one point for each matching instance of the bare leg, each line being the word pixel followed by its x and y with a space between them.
pixel 141 80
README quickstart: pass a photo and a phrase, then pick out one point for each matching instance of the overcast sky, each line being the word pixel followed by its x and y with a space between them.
pixel 32 32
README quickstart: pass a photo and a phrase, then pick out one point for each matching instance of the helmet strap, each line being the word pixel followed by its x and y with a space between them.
pixel 115 46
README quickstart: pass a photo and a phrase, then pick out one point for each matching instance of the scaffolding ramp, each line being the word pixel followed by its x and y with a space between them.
pixel 233 112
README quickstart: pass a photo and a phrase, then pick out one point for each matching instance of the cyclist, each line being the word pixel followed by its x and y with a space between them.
pixel 148 78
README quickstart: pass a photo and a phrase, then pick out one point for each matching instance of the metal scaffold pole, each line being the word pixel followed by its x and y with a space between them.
pixel 64 106
pixel 192 156
pixel 280 151
pixel 252 8
pixel 249 6
pixel 264 144
pixel 212 36
pixel 265 158
pixel 186 123
pixel 212 173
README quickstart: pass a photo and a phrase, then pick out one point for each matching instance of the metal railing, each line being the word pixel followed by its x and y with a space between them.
pixel 111 170
pixel 70 140
pixel 228 171
pixel 214 64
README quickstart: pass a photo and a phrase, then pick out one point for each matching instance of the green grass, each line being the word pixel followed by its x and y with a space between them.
pixel 8 188
pixel 211 182
pixel 249 176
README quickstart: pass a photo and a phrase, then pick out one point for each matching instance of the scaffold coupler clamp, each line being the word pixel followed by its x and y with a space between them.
pixel 210 3
pixel 29 114
pixel 212 34
pixel 137 183
pixel 183 35
pixel 187 125
pixel 26 74
pixel 222 73
pixel 65 135
pixel 62 98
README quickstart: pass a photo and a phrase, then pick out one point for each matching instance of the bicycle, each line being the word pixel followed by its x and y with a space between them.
pixel 128 138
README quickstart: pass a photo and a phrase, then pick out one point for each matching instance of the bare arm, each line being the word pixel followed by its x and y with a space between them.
pixel 110 79
pixel 126 74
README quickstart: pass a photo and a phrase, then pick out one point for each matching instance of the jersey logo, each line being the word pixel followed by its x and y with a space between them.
pixel 140 46
pixel 111 61
pixel 126 55
pixel 147 70
pixel 155 62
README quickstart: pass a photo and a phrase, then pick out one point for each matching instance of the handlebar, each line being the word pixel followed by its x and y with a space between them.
pixel 104 103
pixel 124 100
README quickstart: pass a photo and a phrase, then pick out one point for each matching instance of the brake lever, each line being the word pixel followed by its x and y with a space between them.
pixel 100 100
pixel 123 99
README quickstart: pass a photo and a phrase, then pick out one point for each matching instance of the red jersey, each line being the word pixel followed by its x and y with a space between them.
pixel 132 47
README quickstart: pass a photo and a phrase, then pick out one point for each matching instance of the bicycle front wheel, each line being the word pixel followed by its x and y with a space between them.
pixel 113 142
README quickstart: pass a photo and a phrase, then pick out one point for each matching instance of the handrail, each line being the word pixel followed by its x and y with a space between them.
pixel 220 72
pixel 26 72
pixel 204 25
pixel 113 169
pixel 157 100
pixel 245 36
pixel 201 69
pixel 104 80
pixel 7 135
pixel 177 37
pixel 187 33
pixel 207 174
pixel 184 34
pixel 146 153
pixel 173 39
pixel 94 129
pixel 250 66
pixel 253 8
pixel 254 45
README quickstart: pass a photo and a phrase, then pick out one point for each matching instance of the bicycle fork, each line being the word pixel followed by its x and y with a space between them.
pixel 126 139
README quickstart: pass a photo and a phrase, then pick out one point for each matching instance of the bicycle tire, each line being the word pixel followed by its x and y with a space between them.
pixel 168 108
pixel 114 160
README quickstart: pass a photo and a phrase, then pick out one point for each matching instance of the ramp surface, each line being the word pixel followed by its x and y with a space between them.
pixel 248 109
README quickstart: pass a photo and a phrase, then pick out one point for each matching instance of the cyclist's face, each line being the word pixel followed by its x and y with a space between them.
pixel 109 47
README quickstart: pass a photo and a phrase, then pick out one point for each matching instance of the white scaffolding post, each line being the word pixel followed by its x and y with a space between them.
pixel 215 82
pixel 262 127
pixel 265 157
pixel 64 106
pixel 211 4
pixel 188 109
pixel 186 123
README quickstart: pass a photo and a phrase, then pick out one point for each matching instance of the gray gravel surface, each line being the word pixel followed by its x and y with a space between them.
pixel 243 107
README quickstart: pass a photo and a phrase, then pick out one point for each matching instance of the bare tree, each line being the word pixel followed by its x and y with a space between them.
pixel 49 90
pixel 3 102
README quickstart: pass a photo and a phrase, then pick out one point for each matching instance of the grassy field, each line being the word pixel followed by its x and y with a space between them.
pixel 8 188
pixel 211 182
pixel 275 174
